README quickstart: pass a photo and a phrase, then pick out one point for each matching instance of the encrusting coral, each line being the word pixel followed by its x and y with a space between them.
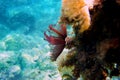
pixel 94 52
pixel 76 13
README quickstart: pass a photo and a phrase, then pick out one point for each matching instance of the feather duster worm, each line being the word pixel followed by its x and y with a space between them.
pixel 58 42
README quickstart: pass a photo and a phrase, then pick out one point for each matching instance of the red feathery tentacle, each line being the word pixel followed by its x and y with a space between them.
pixel 56 31
pixel 63 30
pixel 54 40
pixel 56 51
pixel 59 41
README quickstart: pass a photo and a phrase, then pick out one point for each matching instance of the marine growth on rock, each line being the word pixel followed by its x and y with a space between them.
pixel 94 52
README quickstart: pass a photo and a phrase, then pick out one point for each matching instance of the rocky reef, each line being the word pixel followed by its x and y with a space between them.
pixel 94 52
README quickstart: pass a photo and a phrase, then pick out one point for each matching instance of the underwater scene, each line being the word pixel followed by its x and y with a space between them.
pixel 23 50
pixel 59 40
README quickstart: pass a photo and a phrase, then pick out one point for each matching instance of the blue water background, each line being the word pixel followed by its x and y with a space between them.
pixel 24 54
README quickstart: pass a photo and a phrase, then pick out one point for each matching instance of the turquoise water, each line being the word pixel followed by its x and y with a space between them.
pixel 24 54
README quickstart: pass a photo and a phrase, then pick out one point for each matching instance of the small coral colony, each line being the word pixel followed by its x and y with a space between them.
pixel 94 52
